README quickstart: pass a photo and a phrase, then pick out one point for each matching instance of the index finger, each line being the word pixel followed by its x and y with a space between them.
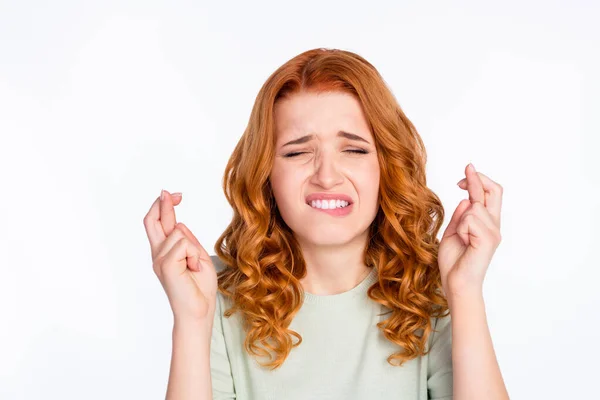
pixel 493 195
pixel 474 185
pixel 154 229
pixel 167 213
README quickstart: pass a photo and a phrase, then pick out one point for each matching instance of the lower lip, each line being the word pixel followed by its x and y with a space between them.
pixel 336 212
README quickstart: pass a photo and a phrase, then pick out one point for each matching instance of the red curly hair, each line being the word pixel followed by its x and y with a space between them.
pixel 264 263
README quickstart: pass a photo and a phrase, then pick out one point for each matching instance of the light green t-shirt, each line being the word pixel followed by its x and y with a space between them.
pixel 343 355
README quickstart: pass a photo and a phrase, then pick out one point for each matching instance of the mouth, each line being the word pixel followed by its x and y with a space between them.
pixel 329 204
pixel 328 197
pixel 342 210
pixel 329 201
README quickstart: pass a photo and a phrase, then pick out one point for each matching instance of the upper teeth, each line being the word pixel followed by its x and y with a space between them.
pixel 328 204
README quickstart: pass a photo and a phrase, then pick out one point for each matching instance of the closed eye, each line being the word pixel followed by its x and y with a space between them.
pixel 357 151
pixel 289 155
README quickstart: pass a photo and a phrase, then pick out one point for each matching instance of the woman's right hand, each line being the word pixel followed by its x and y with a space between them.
pixel 182 265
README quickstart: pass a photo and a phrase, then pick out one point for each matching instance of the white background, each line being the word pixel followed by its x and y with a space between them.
pixel 105 103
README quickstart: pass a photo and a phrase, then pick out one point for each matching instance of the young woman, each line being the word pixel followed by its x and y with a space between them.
pixel 330 282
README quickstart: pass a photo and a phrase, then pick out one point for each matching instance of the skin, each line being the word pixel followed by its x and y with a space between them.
pixel 332 246
pixel 189 279
pixel 465 253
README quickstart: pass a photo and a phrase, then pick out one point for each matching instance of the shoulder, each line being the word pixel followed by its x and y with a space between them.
pixel 443 323
pixel 222 302
pixel 439 365
pixel 441 336
pixel 218 263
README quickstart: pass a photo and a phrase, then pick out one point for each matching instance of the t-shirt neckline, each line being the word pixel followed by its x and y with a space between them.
pixel 358 290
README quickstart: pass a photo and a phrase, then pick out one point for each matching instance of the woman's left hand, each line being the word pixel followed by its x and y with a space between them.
pixel 472 236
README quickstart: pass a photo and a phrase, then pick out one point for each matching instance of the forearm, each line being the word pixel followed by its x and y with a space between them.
pixel 475 368
pixel 189 377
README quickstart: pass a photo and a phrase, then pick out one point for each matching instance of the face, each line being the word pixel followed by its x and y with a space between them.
pixel 325 156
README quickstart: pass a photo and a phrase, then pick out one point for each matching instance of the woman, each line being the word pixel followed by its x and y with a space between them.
pixel 330 282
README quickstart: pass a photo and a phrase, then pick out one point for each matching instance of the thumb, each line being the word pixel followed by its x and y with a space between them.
pixel 197 261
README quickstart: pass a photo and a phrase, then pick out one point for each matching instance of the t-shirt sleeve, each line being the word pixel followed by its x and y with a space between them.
pixel 220 367
pixel 439 367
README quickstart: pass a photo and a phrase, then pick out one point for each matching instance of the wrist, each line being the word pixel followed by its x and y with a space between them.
pixel 192 325
pixel 459 289
pixel 465 299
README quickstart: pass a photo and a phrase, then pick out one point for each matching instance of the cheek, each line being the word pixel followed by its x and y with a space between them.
pixel 366 180
pixel 285 183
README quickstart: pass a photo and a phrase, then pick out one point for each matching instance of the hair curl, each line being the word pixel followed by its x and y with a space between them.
pixel 264 261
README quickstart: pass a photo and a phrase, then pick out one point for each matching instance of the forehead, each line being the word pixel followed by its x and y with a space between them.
pixel 323 114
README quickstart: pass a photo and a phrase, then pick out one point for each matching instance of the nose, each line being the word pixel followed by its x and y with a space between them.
pixel 326 174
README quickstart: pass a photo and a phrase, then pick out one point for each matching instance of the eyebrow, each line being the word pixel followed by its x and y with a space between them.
pixel 308 138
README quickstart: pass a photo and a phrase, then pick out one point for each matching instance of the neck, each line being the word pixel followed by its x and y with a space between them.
pixel 334 269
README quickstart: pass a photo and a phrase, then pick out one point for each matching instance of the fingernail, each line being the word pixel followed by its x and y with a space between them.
pixel 472 167
pixel 176 194
pixel 461 181
pixel 162 194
